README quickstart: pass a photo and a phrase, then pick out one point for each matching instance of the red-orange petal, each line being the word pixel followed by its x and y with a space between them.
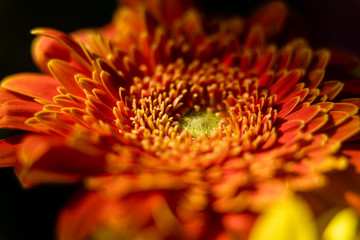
pixel 74 50
pixel 316 123
pixel 6 96
pixel 44 49
pixel 32 84
pixel 65 74
pixel 349 108
pixel 305 114
pixel 13 114
pixel 284 85
pixel 355 101
pixel 8 150
pixel 289 130
pixel 288 106
pixel 298 91
pixel 345 130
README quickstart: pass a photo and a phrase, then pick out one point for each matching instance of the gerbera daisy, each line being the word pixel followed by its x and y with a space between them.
pixel 181 127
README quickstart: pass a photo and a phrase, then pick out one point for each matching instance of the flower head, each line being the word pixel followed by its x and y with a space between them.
pixel 179 127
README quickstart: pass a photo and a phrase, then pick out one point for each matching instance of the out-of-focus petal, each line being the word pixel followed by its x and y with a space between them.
pixel 284 220
pixel 341 63
pixel 142 215
pixel 343 226
pixel 346 130
pixel 167 11
pixel 8 150
pixel 42 158
pixel 80 217
pixel 271 18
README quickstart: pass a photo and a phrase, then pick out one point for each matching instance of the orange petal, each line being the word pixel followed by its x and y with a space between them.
pixel 65 74
pixel 305 114
pixel 6 96
pixel 345 130
pixel 13 114
pixel 111 84
pixel 74 51
pixel 147 213
pixel 284 85
pixel 326 106
pixel 349 108
pixel 336 118
pixel 49 159
pixel 298 91
pixel 59 122
pixel 316 123
pixel 97 104
pixel 289 130
pixel 288 106
pixel 84 35
pixel 8 150
pixel 104 98
pixel 355 101
pixel 32 85
pixel 44 49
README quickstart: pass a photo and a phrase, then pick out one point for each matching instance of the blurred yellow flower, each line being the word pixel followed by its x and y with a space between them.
pixel 180 127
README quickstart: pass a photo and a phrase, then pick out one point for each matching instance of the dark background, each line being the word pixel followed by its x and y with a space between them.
pixel 31 214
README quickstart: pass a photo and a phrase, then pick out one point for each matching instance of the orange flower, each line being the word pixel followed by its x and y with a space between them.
pixel 180 128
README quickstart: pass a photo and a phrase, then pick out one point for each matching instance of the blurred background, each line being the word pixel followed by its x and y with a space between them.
pixel 31 214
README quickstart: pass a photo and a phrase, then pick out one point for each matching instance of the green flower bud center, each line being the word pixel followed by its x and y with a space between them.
pixel 199 122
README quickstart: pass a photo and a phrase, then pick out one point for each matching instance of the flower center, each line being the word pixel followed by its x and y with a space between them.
pixel 199 122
